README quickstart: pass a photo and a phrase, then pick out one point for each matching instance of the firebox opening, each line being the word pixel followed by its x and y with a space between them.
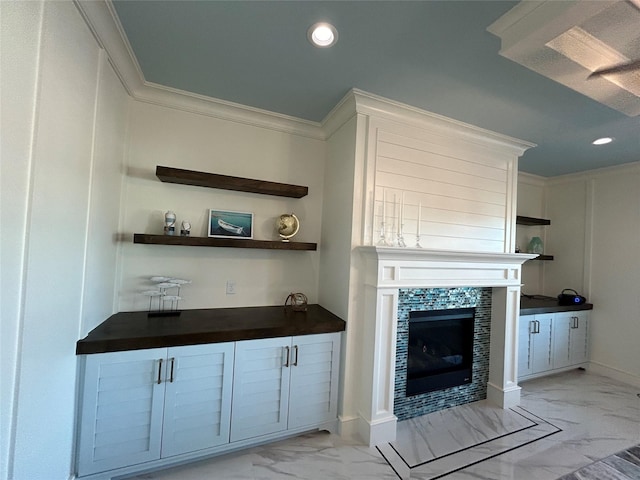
pixel 440 349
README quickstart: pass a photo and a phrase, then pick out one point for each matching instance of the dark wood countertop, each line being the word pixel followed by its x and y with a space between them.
pixel 137 330
pixel 534 304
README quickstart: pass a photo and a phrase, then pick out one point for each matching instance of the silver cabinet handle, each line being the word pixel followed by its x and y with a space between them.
pixel 173 361
pixel 295 349
pixel 286 363
pixel 159 371
pixel 536 327
pixel 532 327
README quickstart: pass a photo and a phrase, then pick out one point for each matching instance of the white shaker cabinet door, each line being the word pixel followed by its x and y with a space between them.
pixel 314 379
pixel 121 405
pixel 525 354
pixel 542 342
pixel 261 387
pixel 197 409
pixel 579 338
pixel 562 324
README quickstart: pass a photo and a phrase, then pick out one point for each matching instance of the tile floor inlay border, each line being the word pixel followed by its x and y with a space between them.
pixel 481 432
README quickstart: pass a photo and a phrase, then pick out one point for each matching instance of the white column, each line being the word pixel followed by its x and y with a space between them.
pixel 502 388
pixel 378 422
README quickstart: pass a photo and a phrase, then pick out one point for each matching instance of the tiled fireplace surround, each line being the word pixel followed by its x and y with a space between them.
pixel 424 299
pixel 388 271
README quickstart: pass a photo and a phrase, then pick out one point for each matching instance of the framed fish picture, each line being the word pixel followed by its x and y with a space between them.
pixel 230 224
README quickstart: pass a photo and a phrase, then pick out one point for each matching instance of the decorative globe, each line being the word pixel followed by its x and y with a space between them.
pixel 287 225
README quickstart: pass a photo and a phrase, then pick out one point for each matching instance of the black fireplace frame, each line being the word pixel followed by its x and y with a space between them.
pixel 450 376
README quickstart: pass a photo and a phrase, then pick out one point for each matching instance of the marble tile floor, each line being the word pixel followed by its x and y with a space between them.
pixel 623 465
pixel 441 443
pixel 597 417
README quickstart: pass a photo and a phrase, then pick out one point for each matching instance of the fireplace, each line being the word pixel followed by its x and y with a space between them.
pixel 397 281
pixel 430 302
pixel 440 349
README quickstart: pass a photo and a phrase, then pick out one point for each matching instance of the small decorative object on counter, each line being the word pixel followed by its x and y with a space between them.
pixel 185 231
pixel 169 223
pixel 167 304
pixel 536 245
pixel 569 296
pixel 287 225
pixel 296 302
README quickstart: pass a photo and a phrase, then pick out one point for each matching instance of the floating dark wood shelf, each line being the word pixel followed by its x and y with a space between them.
pixel 544 257
pixel 225 182
pixel 221 242
pixel 531 221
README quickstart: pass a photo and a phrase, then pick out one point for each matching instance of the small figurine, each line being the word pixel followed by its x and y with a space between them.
pixel 186 229
pixel 169 223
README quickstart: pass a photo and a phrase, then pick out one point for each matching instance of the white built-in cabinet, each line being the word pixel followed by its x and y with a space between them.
pixel 571 347
pixel 143 405
pixel 552 342
pixel 535 345
pixel 284 383
pixel 154 407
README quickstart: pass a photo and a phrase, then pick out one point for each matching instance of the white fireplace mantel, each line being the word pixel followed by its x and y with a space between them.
pixel 386 270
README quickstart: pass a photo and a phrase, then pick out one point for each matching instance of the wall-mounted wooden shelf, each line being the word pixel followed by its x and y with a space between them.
pixel 220 242
pixel 531 221
pixel 225 182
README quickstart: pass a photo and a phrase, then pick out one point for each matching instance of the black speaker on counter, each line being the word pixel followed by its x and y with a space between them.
pixel 570 298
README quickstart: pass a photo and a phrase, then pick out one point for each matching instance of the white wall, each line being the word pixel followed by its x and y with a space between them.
pixel 337 239
pixel 20 33
pixel 180 139
pixel 598 215
pixel 567 208
pixel 69 112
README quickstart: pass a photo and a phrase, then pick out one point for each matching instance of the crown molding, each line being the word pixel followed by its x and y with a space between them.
pixel 373 105
pixel 624 169
pixel 102 20
pixel 531 179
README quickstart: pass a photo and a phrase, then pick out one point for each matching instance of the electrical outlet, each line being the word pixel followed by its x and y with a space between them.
pixel 231 287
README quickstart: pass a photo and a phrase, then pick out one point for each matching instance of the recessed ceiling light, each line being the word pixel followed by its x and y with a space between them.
pixel 322 35
pixel 602 141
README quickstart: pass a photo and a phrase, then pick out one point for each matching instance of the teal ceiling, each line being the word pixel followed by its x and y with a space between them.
pixel 435 55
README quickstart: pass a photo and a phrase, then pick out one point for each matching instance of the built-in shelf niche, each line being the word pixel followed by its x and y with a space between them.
pixel 534 222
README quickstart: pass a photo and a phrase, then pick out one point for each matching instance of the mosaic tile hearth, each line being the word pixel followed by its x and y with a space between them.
pixel 420 299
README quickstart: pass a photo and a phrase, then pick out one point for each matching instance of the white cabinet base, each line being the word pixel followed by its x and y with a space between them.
pixel 551 343
pixel 197 384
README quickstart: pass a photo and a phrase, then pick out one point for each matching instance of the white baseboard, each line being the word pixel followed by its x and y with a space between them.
pixel 621 376
pixel 348 427
pixel 503 397
pixel 370 433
